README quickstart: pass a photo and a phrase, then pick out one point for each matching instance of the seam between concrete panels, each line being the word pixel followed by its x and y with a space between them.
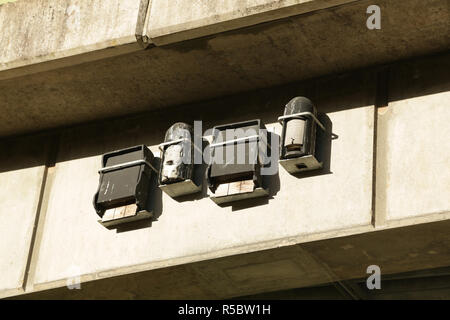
pixel 374 166
pixel 35 227
pixel 142 23
pixel 41 210
pixel 381 102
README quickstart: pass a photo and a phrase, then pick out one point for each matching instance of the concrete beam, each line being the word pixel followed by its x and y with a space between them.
pixel 174 21
pixel 36 32
pixel 414 157
pixel 333 203
pixel 395 250
pixel 332 40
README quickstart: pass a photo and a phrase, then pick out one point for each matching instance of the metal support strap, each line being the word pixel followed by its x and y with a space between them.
pixel 126 165
pixel 164 144
pixel 218 144
pixel 299 115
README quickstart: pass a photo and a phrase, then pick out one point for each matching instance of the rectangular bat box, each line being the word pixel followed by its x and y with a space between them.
pixel 238 153
pixel 124 186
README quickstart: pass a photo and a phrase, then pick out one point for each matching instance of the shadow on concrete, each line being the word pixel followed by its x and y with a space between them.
pixel 358 88
pixel 323 148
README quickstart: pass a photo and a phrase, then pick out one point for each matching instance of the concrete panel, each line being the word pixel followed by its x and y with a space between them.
pixel 173 21
pixel 21 176
pixel 36 31
pixel 193 229
pixel 413 156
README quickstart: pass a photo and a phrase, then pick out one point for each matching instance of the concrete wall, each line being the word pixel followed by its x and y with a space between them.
pixel 335 202
pixel 414 177
pixel 197 227
pixel 412 149
pixel 22 170
pixel 382 196
pixel 35 31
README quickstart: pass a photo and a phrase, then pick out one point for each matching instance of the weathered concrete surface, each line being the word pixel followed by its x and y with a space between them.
pixel 416 247
pixel 413 149
pixel 197 228
pixel 21 176
pixel 414 155
pixel 424 246
pixel 218 278
pixel 300 47
pixel 40 31
pixel 173 21
pixel 197 249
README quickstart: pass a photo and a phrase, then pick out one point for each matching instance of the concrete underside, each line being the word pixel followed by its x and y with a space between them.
pixel 322 42
pixel 429 284
pixel 424 246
